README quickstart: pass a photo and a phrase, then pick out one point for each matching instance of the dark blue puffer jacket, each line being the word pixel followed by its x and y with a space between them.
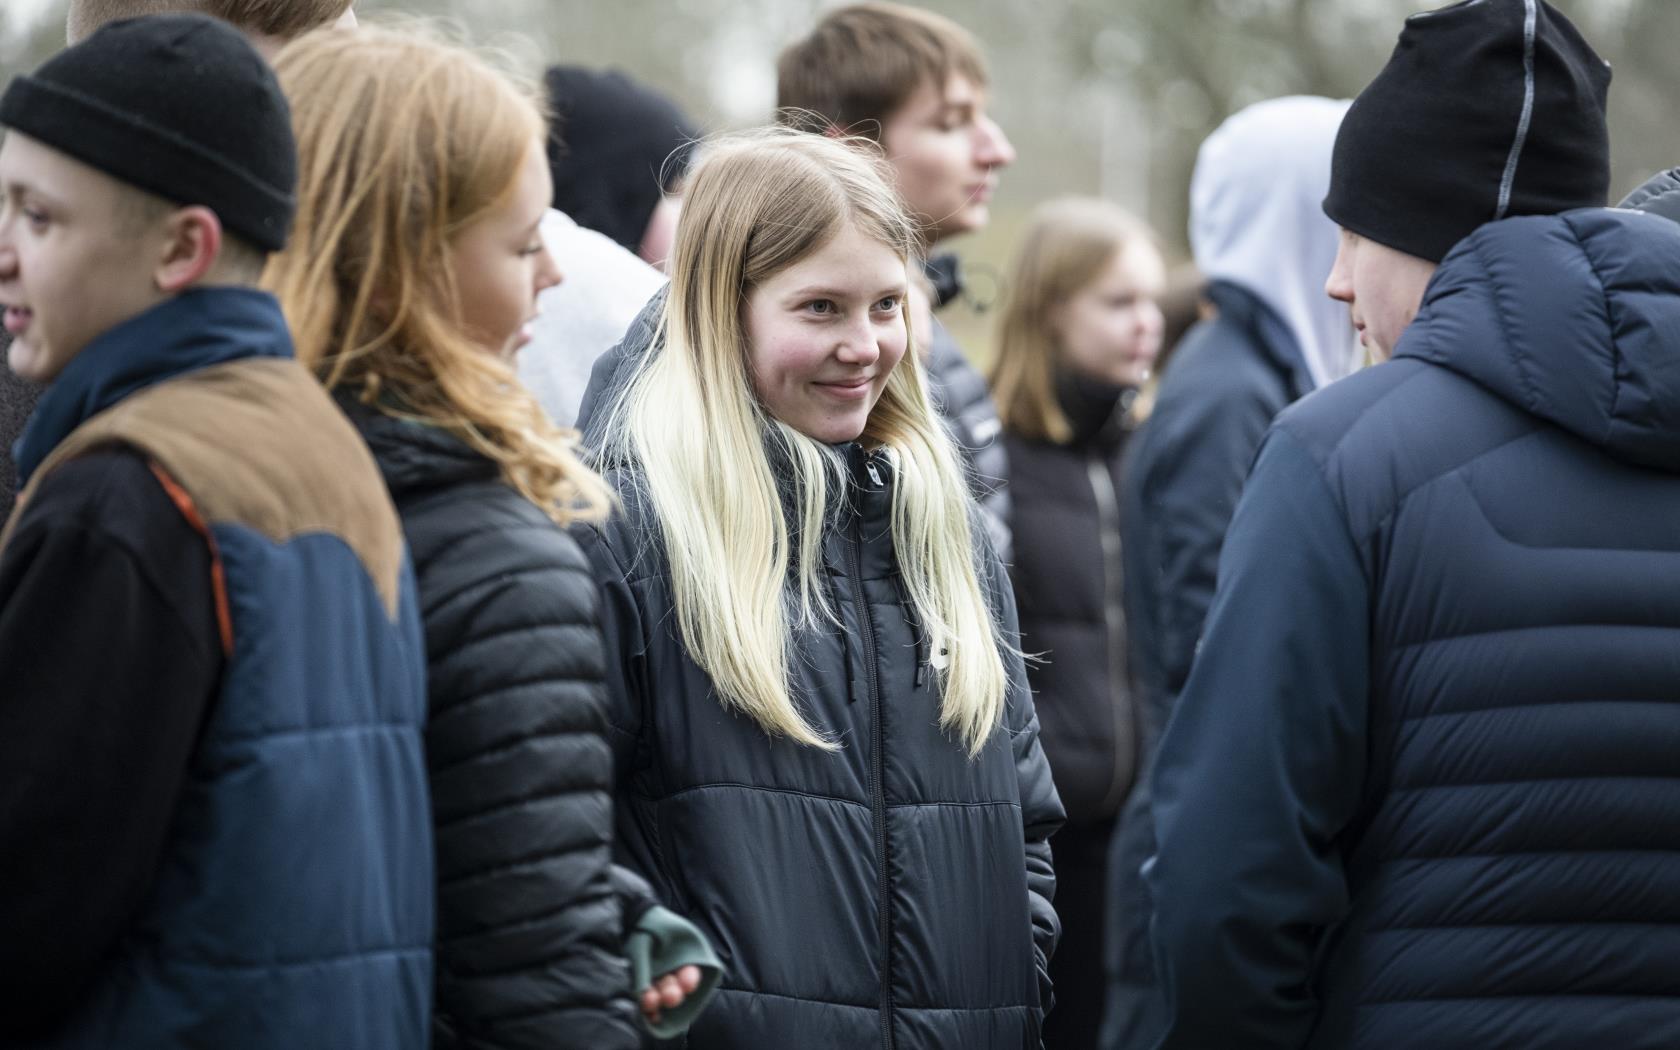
pixel 1423 785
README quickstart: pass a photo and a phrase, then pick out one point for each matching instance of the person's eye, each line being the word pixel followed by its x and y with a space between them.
pixel 35 217
pixel 821 307
pixel 889 305
pixel 532 249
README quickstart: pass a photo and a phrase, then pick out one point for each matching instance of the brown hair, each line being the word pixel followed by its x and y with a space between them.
pixel 404 141
pixel 1067 244
pixel 861 63
pixel 282 19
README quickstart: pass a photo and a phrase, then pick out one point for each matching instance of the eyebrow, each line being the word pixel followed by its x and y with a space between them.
pixel 19 188
pixel 821 292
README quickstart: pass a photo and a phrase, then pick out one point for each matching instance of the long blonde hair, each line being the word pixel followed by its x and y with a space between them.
pixel 757 204
pixel 404 141
pixel 1068 243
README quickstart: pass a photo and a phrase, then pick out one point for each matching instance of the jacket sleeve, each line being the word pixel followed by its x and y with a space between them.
pixel 1041 808
pixel 111 658
pixel 1192 494
pixel 1262 768
pixel 964 402
pixel 530 934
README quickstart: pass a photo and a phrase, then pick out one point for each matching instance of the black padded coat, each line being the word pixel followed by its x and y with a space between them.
pixel 894 893
pixel 530 927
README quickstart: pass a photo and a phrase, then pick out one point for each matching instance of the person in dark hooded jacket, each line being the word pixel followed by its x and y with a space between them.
pixel 1076 340
pixel 827 752
pixel 537 931
pixel 1264 246
pixel 1419 788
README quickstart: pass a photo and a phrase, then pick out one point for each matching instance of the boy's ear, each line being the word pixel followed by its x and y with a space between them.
pixel 192 244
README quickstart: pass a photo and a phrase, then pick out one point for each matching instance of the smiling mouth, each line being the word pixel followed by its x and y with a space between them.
pixel 847 388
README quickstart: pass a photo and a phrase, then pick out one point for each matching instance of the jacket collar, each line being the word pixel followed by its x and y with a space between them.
pixel 944 272
pixel 193 330
pixel 1242 308
pixel 1097 411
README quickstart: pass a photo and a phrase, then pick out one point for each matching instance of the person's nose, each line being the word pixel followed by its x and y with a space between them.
pixel 1339 285
pixel 858 345
pixel 548 271
pixel 994 148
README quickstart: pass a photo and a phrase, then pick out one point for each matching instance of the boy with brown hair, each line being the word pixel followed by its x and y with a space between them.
pixel 916 83
pixel 268 24
pixel 214 827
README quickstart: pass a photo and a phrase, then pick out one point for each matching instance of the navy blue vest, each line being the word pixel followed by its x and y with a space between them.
pixel 294 904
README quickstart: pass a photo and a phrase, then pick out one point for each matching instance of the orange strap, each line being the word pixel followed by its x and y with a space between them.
pixel 218 579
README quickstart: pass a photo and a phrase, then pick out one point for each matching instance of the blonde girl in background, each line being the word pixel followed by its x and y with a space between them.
pixel 827 752
pixel 1076 339
pixel 410 281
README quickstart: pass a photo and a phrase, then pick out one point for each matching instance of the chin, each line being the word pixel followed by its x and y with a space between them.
pixel 966 220
pixel 835 431
pixel 28 364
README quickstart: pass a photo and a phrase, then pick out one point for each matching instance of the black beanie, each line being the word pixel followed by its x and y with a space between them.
pixel 1487 109
pixel 181 106
pixel 614 147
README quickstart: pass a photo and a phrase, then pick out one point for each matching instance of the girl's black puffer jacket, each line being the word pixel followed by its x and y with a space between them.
pixel 893 893
pixel 530 927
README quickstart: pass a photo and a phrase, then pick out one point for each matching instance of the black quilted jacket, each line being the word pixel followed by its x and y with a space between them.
pixel 893 894
pixel 529 926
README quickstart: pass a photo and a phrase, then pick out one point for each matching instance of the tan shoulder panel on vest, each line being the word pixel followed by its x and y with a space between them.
pixel 258 443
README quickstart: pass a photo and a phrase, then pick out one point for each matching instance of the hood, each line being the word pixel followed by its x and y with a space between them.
pixel 1573 318
pixel 413 456
pixel 1660 195
pixel 615 370
pixel 1257 220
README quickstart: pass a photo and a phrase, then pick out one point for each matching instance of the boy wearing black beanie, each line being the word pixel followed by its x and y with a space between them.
pixel 213 824
pixel 1416 791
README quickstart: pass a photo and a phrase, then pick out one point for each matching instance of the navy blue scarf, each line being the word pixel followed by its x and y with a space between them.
pixel 196 329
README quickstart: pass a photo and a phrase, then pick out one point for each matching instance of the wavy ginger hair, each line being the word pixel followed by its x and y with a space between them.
pixel 690 420
pixel 404 141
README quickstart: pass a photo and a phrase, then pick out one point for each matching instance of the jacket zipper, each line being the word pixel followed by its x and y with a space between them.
pixel 877 765
pixel 1114 615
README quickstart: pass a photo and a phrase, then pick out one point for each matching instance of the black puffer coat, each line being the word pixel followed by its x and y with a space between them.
pixel 529 928
pixel 1068 582
pixel 891 894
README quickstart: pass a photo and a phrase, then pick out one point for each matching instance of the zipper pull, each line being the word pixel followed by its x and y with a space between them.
pixel 874 475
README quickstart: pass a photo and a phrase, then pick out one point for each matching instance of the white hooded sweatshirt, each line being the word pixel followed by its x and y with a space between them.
pixel 1257 220
pixel 602 289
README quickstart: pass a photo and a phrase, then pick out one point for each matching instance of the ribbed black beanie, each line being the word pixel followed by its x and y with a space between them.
pixel 614 146
pixel 181 106
pixel 1487 109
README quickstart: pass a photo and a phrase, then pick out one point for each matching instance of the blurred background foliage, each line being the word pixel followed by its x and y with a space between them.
pixel 1099 96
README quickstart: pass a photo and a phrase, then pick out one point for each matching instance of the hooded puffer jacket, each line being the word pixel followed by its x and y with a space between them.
pixel 894 893
pixel 530 935
pixel 1421 788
